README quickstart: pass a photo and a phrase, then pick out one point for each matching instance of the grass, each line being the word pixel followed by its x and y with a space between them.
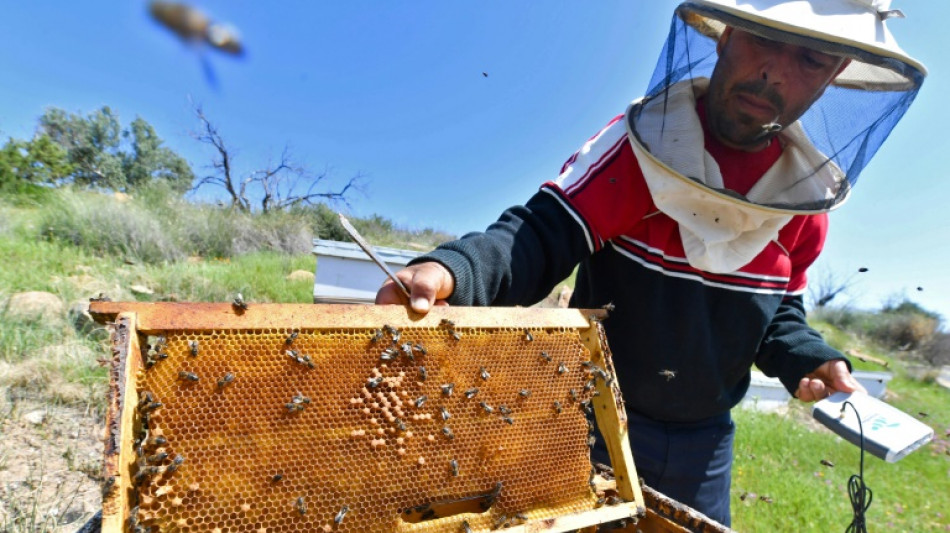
pixel 778 457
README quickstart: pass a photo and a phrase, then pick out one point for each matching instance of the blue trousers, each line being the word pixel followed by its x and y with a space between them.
pixel 689 462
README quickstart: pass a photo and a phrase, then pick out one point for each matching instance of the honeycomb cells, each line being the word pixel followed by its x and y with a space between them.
pixel 281 434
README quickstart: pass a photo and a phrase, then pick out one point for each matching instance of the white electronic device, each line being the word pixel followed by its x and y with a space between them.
pixel 889 433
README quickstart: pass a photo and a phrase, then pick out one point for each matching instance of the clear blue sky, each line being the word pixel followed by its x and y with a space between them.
pixel 395 91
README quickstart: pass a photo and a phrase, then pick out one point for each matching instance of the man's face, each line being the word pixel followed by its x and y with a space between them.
pixel 758 81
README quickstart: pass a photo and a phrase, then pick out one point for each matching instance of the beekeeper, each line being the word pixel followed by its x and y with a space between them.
pixel 696 213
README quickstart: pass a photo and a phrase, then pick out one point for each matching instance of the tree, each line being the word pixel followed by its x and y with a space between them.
pixel 829 285
pixel 98 158
pixel 274 187
pixel 35 162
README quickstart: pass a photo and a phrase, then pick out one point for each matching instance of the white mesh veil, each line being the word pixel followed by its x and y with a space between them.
pixel 844 128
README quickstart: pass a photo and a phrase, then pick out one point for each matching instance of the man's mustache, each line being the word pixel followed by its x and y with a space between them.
pixel 760 89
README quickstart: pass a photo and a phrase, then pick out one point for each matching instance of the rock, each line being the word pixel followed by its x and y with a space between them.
pixel 35 304
pixel 300 275
pixel 35 417
pixel 141 289
pixel 121 197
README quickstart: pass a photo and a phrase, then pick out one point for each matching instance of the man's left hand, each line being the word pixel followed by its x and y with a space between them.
pixel 830 377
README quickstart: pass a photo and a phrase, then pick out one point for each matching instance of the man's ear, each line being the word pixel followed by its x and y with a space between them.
pixel 726 32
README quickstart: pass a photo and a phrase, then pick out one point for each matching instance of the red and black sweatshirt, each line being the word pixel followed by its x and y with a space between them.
pixel 707 328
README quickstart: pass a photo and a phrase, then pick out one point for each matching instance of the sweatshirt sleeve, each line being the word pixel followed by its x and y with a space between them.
pixel 791 348
pixel 519 259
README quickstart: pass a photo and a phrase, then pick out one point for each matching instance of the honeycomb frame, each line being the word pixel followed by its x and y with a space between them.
pixel 282 388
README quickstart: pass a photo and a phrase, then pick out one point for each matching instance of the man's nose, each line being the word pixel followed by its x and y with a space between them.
pixel 775 66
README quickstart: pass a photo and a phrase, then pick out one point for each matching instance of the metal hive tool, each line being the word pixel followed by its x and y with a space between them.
pixel 360 418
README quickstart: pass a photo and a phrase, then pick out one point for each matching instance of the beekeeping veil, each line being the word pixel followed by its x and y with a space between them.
pixel 823 153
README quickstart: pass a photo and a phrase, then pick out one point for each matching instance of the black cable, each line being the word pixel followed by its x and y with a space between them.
pixel 859 493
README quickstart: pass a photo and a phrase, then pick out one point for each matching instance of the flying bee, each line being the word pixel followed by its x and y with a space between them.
pixel 454 466
pixel 447 431
pixel 447 388
pixel 445 413
pixel 193 348
pixel 421 400
pixel 301 505
pixel 487 408
pixel 508 420
pixel 189 376
pixel 292 337
pixel 422 373
pixel 668 374
pixel 338 519
pixel 546 356
pixel 239 302
pixel 176 462
pixel 503 409
pixel 374 382
pixel 377 336
pixel 483 373
pixel 561 368
pixel 528 336
pixel 524 393
pixel 225 380
pixel 557 407
pixel 470 393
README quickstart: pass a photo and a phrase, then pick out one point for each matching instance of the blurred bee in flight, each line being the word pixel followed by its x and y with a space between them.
pixel 193 27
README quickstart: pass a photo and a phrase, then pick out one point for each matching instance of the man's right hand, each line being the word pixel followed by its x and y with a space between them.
pixel 429 284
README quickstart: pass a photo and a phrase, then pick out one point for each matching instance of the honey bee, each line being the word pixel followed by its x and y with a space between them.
pixel 189 376
pixel 589 385
pixel 470 393
pixel 483 373
pixel 585 406
pixel 393 333
pixel 157 458
pixel 149 407
pixel 300 399
pixel 454 466
pixel 446 323
pixel 447 388
pixel 508 420
pixel 668 374
pixel 609 307
pixel 456 335
pixel 225 380
pixel 157 441
pixel 500 521
pixel 276 477
pixel 292 337
pixel 613 500
pixel 421 400
pixel 465 527
pixel 504 410
pixel 528 336
pixel 420 348
pixel 407 350
pixel 561 368
pixel 488 409
pixel 445 413
pixel 239 302
pixel 388 354
pixel 592 440
pixel 422 373
pixel 374 382
pixel 338 519
pixel 301 505
pixel 176 462
pixel 377 336
pixel 400 424
pixel 108 486
pixel 573 394
pixel 524 393
pixel 557 407
pixel 448 432
pixel 546 356
pixel 193 347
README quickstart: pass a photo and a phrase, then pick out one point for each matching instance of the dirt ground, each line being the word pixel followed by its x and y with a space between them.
pixel 50 462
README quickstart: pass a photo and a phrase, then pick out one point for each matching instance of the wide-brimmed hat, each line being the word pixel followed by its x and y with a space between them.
pixel 852 28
